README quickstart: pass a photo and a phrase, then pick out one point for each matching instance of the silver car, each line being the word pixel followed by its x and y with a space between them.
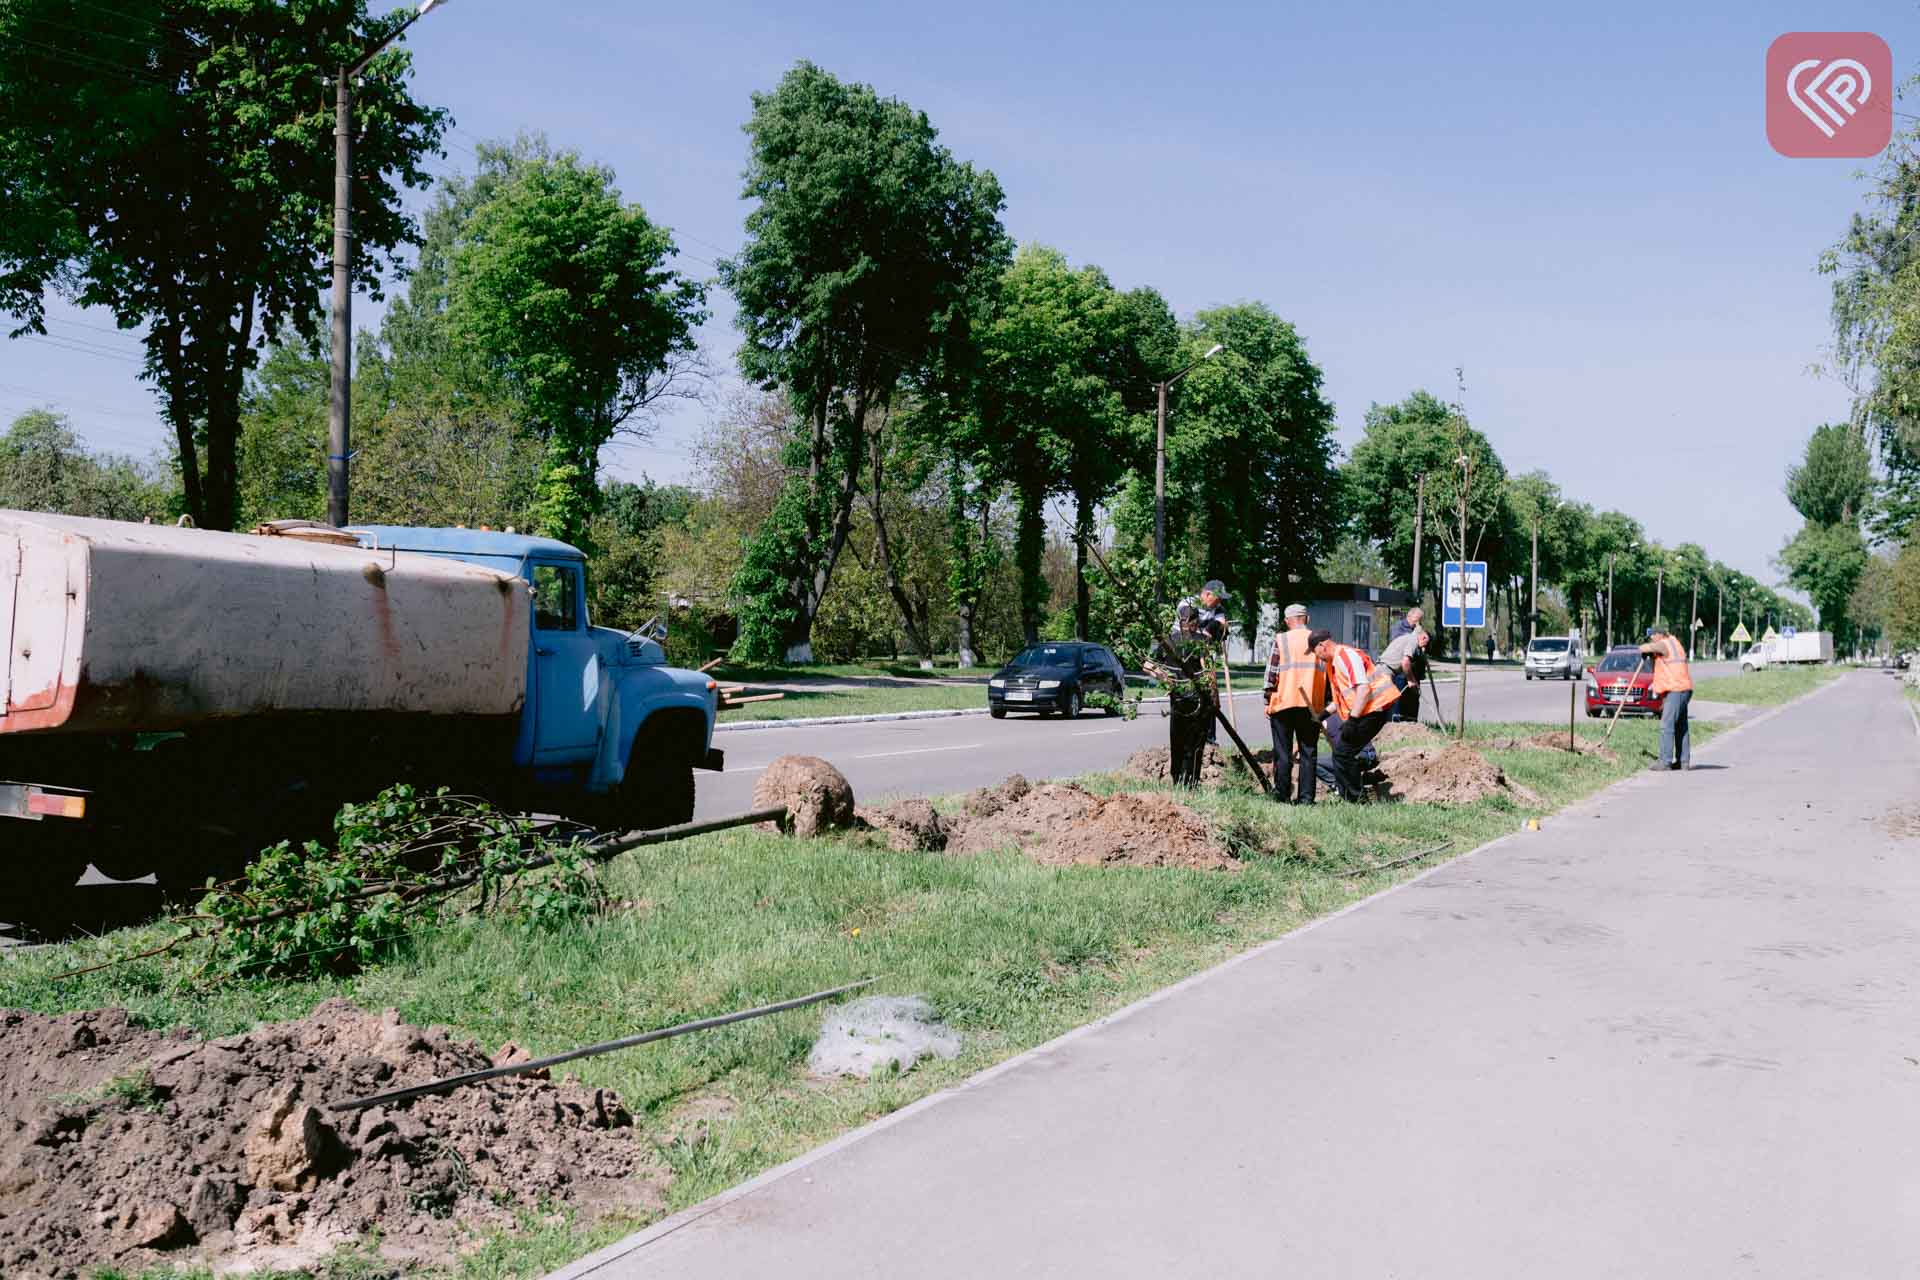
pixel 1553 658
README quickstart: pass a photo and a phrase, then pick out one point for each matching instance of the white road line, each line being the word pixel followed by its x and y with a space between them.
pixel 919 751
pixel 745 768
pixel 1091 733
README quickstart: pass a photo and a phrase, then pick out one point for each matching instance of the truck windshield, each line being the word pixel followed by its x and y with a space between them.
pixel 1549 646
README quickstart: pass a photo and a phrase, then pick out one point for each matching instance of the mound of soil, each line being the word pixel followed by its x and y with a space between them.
pixel 910 826
pixel 1066 825
pixel 988 801
pixel 817 796
pixel 135 1147
pixel 1218 764
pixel 1555 740
pixel 1395 732
pixel 1450 774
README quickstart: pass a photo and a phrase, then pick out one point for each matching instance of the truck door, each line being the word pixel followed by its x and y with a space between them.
pixel 567 682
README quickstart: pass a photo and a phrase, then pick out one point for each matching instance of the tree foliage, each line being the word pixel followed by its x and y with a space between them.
pixel 172 161
pixel 44 467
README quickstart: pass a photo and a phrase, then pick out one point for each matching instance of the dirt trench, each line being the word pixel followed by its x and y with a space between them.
pixel 133 1147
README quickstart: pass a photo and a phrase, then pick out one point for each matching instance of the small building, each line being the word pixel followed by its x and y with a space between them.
pixel 1355 612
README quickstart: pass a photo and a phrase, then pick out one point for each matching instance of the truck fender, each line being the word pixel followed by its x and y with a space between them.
pixel 641 693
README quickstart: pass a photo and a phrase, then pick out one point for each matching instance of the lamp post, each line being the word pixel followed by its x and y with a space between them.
pixel 1160 472
pixel 340 401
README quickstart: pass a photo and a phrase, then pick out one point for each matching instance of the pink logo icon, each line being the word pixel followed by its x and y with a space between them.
pixel 1829 94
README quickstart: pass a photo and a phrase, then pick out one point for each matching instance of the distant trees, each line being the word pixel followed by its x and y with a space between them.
pixel 43 467
pixel 172 162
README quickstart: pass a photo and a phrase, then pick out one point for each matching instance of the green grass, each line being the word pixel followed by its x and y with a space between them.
pixel 944 668
pixel 1768 687
pixel 1010 953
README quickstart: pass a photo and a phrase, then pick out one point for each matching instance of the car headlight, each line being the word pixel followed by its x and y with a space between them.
pixel 1049 684
pixel 996 683
pixel 1593 691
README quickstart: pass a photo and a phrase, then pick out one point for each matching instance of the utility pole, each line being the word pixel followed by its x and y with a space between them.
pixel 1160 472
pixel 1609 600
pixel 1533 589
pixel 1719 618
pixel 1419 527
pixel 1659 581
pixel 340 394
pixel 1693 617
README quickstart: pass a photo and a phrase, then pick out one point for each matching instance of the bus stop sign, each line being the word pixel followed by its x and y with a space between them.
pixel 1463 597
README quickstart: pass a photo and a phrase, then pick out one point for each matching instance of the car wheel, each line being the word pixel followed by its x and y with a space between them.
pixel 1527 675
pixel 998 713
pixel 1073 705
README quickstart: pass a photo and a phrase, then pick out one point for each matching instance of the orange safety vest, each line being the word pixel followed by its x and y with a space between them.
pixel 1300 680
pixel 1670 673
pixel 1373 691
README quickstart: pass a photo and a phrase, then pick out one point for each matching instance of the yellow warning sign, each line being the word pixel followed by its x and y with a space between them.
pixel 1741 635
pixel 1771 634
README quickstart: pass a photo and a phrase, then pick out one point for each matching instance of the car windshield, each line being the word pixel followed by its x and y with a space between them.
pixel 1621 660
pixel 1549 646
pixel 1044 655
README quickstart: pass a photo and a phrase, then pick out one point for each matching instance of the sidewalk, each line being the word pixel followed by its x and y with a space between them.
pixel 1670 1035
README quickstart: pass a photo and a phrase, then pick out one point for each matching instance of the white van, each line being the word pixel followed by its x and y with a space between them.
pixel 1554 658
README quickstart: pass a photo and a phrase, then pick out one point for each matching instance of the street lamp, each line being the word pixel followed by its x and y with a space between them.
pixel 340 402
pixel 1160 463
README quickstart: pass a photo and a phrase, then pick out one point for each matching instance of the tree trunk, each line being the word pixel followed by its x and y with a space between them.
pixel 909 622
pixel 1082 597
pixel 1029 545
pixel 180 414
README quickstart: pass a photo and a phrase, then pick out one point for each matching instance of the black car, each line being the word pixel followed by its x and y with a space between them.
pixel 1056 675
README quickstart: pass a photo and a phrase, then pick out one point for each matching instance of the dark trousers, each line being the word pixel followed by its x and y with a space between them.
pixel 1676 744
pixel 1407 707
pixel 1187 736
pixel 1295 727
pixel 1353 735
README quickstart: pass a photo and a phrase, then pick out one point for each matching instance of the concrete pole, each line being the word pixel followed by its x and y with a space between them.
pixel 340 402
pixel 1609 602
pixel 1419 527
pixel 1466 477
pixel 1533 590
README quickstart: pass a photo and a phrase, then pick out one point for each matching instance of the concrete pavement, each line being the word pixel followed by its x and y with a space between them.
pixel 1672 1034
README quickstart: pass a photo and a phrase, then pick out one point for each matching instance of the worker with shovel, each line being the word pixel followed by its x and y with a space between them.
pixel 1672 678
pixel 1296 699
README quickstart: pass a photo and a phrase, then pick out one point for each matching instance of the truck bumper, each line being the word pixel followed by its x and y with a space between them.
pixel 715 760
pixel 24 800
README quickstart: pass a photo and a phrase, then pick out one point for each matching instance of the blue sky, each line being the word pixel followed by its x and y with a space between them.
pixel 1580 208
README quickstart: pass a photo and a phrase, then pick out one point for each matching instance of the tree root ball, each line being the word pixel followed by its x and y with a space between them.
pixel 817 796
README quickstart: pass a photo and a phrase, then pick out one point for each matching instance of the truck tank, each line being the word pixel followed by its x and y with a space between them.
pixel 110 627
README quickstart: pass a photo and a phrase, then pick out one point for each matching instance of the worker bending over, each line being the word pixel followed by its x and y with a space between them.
pixel 1671 677
pixel 1363 697
pixel 1296 699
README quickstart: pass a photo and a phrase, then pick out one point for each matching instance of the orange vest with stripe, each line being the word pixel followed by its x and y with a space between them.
pixel 1670 672
pixel 1300 680
pixel 1374 691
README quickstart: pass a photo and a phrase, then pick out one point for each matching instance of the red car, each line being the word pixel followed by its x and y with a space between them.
pixel 1614 683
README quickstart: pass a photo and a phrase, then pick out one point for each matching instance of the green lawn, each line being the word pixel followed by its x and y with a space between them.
pixel 1766 688
pixel 905 669
pixel 860 702
pixel 1010 953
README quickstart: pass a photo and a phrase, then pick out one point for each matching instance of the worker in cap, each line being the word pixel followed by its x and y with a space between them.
pixel 1363 696
pixel 1206 614
pixel 1196 635
pixel 1672 677
pixel 1296 687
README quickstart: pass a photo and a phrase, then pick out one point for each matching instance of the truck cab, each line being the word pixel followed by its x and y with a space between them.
pixel 608 727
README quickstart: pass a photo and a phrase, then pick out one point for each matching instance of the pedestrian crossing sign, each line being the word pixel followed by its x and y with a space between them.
pixel 1741 635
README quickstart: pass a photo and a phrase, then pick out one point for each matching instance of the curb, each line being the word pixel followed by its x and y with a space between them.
pixel 632 1244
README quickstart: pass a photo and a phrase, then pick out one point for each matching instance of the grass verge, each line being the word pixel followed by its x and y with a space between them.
pixel 862 702
pixel 1009 953
pixel 1766 688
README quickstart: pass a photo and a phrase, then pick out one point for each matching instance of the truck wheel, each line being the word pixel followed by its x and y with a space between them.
pixel 654 794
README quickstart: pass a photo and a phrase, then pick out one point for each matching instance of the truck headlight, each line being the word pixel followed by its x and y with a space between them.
pixel 996 683
pixel 1049 684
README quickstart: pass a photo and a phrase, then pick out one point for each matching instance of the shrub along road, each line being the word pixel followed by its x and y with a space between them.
pixel 1666 1035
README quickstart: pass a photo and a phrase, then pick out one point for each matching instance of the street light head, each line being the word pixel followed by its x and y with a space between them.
pixel 428 6
pixel 1212 351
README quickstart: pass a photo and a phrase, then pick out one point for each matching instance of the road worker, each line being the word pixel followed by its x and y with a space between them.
pixel 1190 693
pixel 1363 697
pixel 1671 677
pixel 1406 661
pixel 1209 610
pixel 1296 688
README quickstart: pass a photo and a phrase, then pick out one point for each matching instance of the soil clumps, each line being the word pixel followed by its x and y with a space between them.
pixel 1395 732
pixel 1453 774
pixel 1218 765
pixel 134 1147
pixel 817 796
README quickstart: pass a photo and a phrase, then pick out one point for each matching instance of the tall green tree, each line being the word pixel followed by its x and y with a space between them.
pixel 868 250
pixel 172 161
pixel 565 291
pixel 1830 487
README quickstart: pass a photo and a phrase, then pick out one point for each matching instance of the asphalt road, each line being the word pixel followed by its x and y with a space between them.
pixel 1670 1034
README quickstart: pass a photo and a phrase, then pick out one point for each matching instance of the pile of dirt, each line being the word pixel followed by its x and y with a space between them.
pixel 1218 764
pixel 1395 732
pixel 817 796
pixel 132 1147
pixel 1453 773
pixel 1555 740
pixel 988 801
pixel 910 826
pixel 1066 825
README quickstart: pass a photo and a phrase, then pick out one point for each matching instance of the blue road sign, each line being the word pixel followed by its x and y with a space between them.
pixel 1463 587
pixel 1788 632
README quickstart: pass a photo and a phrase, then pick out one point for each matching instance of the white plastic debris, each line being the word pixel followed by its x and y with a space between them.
pixel 858 1039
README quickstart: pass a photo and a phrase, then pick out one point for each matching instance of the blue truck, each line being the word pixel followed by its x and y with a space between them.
pixel 182 697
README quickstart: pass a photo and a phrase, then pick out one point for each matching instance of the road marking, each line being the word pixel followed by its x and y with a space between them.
pixel 745 768
pixel 1091 733
pixel 919 751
